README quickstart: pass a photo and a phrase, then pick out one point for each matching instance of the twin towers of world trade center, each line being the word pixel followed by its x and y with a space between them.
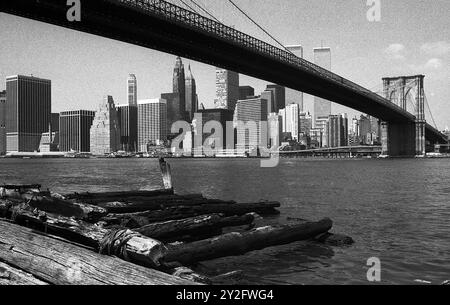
pixel 322 107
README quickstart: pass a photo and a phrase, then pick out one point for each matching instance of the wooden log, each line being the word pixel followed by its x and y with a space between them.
pixel 166 174
pixel 125 244
pixel 135 220
pixel 127 200
pixel 119 194
pixel 62 263
pixel 16 277
pixel 200 225
pixel 240 243
pixel 54 204
pixel 334 239
pixel 135 205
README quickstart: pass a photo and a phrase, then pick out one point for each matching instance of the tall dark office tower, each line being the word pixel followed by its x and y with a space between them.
pixel 2 122
pixel 219 115
pixel 322 107
pixel 246 92
pixel 191 95
pixel 132 90
pixel 55 122
pixel 337 130
pixel 127 116
pixel 269 97
pixel 74 130
pixel 174 112
pixel 279 94
pixel 179 86
pixel 28 112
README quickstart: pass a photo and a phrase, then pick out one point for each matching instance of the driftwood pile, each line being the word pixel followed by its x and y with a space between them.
pixel 133 237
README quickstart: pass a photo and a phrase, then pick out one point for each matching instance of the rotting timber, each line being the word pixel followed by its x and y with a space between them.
pixel 157 234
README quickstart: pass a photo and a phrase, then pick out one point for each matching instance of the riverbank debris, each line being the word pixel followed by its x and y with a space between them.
pixel 145 237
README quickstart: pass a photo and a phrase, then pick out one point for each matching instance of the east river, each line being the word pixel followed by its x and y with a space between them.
pixel 395 210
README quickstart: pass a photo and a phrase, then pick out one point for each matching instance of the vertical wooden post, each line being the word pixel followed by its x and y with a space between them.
pixel 166 174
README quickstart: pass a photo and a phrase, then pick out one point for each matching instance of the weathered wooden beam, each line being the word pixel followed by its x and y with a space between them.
pixel 240 243
pixel 16 277
pixel 123 243
pixel 200 225
pixel 136 205
pixel 135 220
pixel 62 263
pixel 54 204
pixel 118 194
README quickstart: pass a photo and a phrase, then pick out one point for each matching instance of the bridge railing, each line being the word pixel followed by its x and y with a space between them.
pixel 178 14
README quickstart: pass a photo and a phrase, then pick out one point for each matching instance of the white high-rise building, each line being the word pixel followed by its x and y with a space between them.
pixel 152 123
pixel 227 89
pixel 132 90
pixel 290 117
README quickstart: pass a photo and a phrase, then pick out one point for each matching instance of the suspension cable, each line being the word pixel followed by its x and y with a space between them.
pixel 260 27
pixel 205 10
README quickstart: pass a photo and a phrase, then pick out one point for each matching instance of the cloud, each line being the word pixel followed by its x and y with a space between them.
pixel 395 51
pixel 431 64
pixel 436 48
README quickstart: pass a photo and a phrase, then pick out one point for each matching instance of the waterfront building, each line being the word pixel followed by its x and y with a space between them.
pixel 337 130
pixel 105 130
pixel 227 89
pixel 152 123
pixel 305 122
pixel 321 124
pixel 174 112
pixel 221 116
pixel 275 122
pixel 365 129
pixel 279 95
pixel 75 130
pixel 2 122
pixel 317 136
pixel 49 142
pixel 322 107
pixel 251 112
pixel 294 96
pixel 290 117
pixel 246 92
pixel 191 95
pixel 28 112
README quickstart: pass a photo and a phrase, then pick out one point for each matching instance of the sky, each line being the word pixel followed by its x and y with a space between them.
pixel 412 37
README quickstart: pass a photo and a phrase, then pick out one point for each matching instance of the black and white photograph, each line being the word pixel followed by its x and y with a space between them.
pixel 224 148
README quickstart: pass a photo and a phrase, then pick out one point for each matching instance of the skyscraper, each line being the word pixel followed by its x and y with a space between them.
pixel 275 122
pixel 279 94
pixel 105 130
pixel 74 130
pixel 269 97
pixel 55 121
pixel 227 89
pixel 152 123
pixel 293 96
pixel 127 115
pixel 337 130
pixel 28 112
pixel 191 95
pixel 305 123
pixel 291 115
pixel 219 115
pixel 2 122
pixel 246 92
pixel 252 112
pixel 322 107
pixel 179 87
pixel 132 90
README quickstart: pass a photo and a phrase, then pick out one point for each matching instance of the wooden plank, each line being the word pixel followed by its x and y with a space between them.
pixel 62 263
pixel 112 195
pixel 166 174
pixel 13 276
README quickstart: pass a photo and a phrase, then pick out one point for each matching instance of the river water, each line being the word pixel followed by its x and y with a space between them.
pixel 396 210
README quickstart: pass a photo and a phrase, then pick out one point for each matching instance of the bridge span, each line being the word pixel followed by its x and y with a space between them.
pixel 166 27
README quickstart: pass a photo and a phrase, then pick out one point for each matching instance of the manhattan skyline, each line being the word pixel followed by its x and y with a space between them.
pixel 84 68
